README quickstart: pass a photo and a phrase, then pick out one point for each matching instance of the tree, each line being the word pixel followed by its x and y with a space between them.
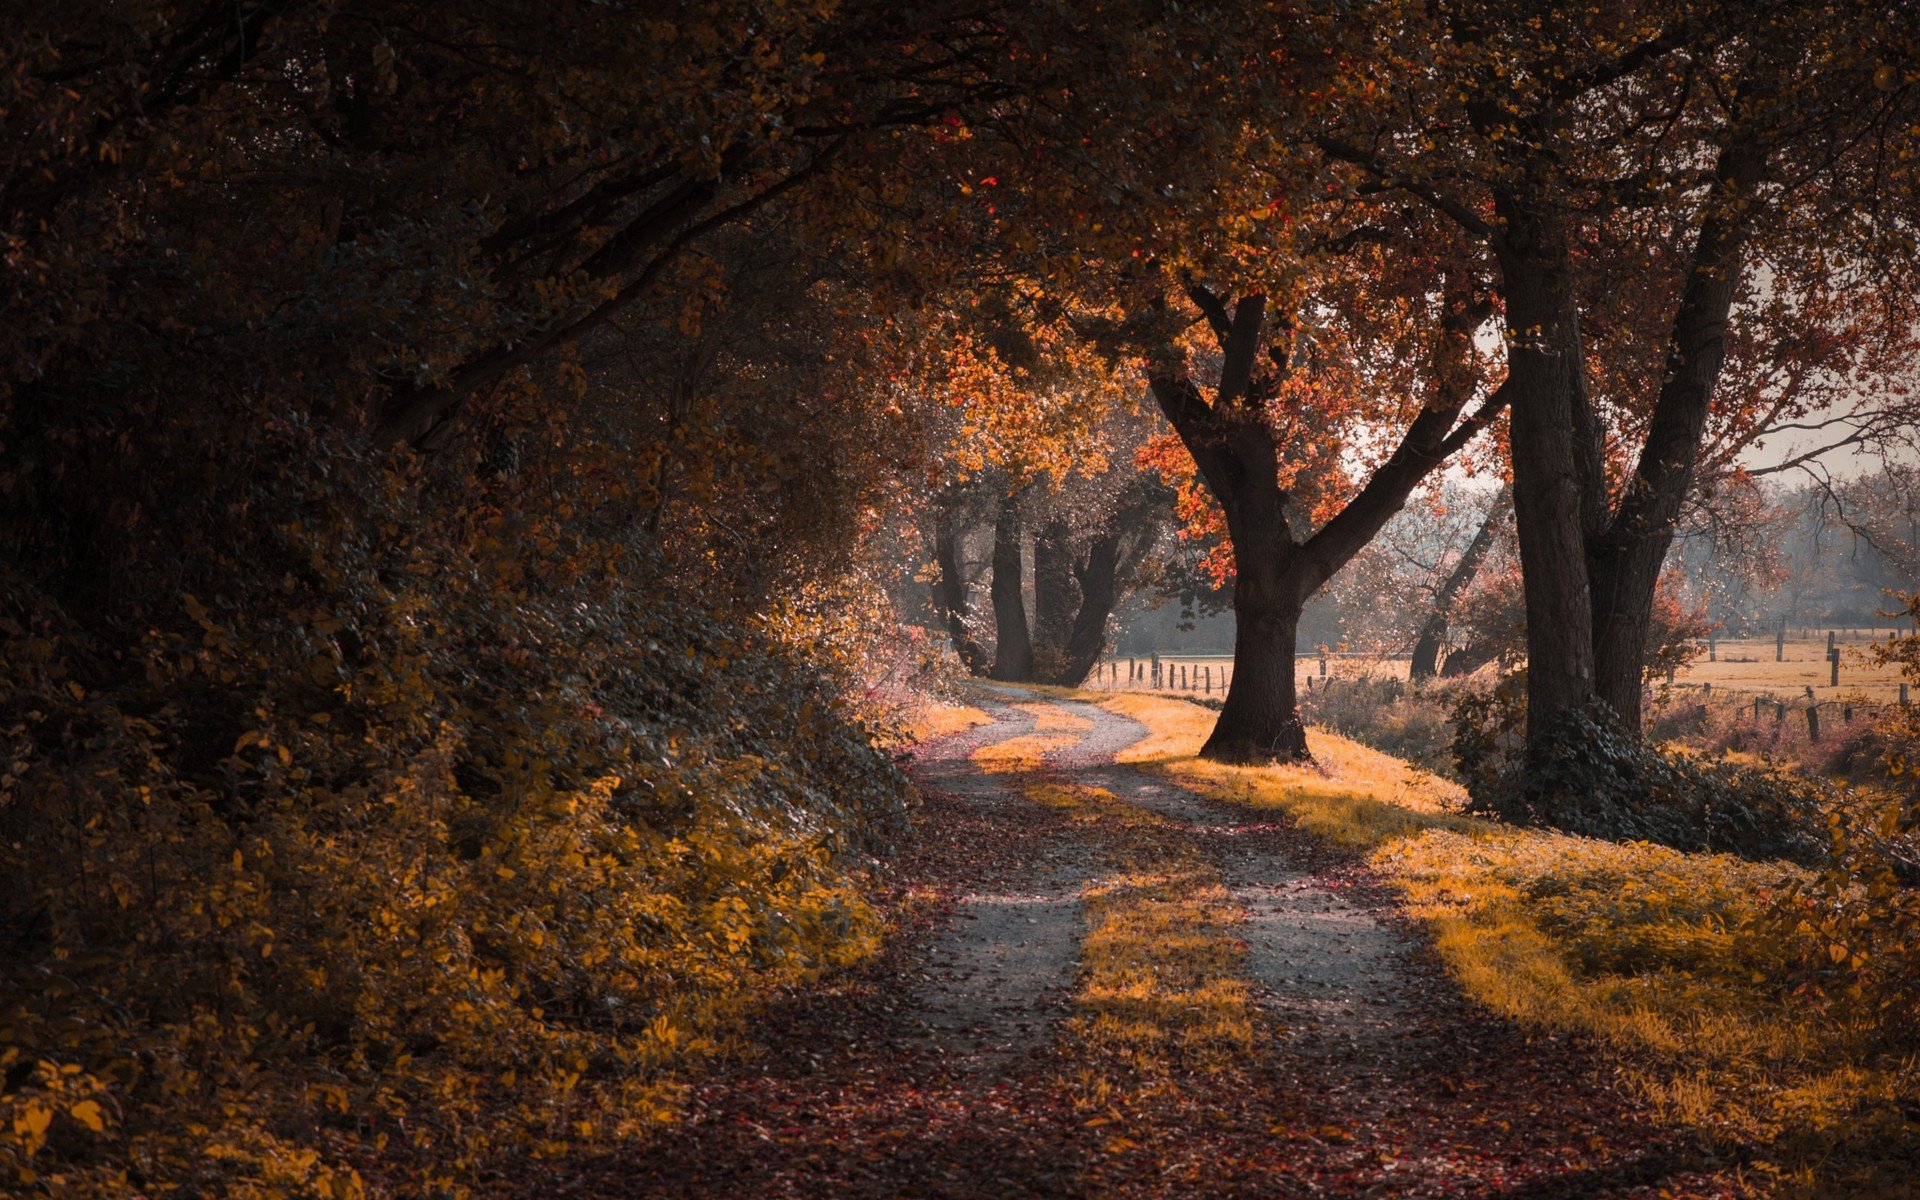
pixel 1267 445
pixel 1433 631
pixel 1641 175
pixel 952 516
pixel 1089 536
pixel 1089 552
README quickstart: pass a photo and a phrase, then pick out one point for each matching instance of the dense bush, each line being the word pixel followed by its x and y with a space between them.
pixel 385 808
pixel 1855 927
pixel 402 835
pixel 1602 782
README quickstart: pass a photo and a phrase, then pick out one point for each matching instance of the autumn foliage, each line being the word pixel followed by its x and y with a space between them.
pixel 370 811
pixel 459 464
pixel 395 854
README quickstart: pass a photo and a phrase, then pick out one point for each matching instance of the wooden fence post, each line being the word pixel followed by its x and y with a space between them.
pixel 1813 722
pixel 1833 660
pixel 1780 642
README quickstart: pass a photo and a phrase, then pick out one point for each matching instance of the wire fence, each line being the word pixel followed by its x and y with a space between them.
pixel 1674 700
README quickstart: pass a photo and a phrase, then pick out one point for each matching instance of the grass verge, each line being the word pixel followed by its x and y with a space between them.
pixel 1640 947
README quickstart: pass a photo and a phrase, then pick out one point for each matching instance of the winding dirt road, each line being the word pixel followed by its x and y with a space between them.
pixel 958 1066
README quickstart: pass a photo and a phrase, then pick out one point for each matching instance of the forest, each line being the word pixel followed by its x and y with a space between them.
pixel 975 598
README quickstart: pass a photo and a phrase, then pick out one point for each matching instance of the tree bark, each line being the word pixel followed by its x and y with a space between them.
pixel 1426 648
pixel 1547 375
pixel 950 594
pixel 1260 721
pixel 1625 560
pixel 1013 647
pixel 1055 599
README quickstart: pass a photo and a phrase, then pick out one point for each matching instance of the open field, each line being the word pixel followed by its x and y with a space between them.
pixel 1742 666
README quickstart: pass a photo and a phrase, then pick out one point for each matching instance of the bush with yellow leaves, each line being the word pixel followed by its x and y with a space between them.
pixel 407 837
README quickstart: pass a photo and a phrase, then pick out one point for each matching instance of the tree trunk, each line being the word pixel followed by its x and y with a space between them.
pixel 1055 597
pixel 1260 721
pixel 1238 456
pixel 1547 378
pixel 1099 578
pixel 1426 649
pixel 950 594
pixel 1625 561
pixel 1013 648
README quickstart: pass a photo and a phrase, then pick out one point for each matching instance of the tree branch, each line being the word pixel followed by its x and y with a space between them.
pixel 1462 215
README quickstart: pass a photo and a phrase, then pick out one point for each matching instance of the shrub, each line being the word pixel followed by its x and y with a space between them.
pixel 1599 781
pixel 1855 927
pixel 412 843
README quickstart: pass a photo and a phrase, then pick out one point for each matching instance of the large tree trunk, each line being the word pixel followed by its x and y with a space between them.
pixel 1055 597
pixel 1013 648
pixel 1625 560
pixel 1546 376
pixel 1260 721
pixel 950 594
pixel 1426 648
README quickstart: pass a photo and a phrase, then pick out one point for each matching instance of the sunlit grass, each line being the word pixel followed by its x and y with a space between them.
pixel 936 718
pixel 1644 948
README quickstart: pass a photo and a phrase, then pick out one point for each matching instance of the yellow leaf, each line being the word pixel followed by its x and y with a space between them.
pixel 88 1113
pixel 31 1122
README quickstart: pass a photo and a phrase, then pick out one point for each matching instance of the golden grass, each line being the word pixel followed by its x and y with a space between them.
pixel 1805 666
pixel 1861 680
pixel 935 718
pixel 1354 796
pixel 1163 990
pixel 1639 946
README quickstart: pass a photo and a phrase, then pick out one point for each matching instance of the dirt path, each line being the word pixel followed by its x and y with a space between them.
pixel 955 1067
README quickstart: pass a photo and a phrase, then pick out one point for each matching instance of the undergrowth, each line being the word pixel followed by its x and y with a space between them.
pixel 1599 780
pixel 462 847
